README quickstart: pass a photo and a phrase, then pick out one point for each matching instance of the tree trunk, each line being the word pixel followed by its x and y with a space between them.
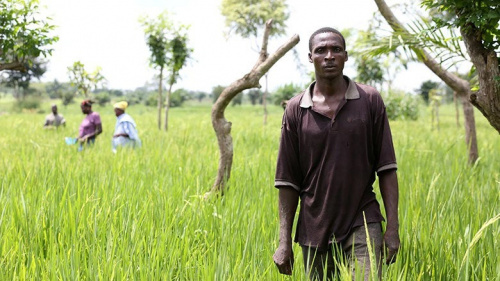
pixel 470 130
pixel 458 84
pixel 264 100
pixel 457 112
pixel 487 99
pixel 221 126
pixel 160 100
pixel 167 105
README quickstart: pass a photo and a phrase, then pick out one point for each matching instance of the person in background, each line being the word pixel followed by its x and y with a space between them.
pixel 335 138
pixel 125 134
pixel 91 125
pixel 54 119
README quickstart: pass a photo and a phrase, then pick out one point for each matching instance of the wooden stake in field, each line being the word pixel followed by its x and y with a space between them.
pixel 250 80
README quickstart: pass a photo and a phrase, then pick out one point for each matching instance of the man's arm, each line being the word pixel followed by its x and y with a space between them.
pixel 288 201
pixel 98 130
pixel 388 182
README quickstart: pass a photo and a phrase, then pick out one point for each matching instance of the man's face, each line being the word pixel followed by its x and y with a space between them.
pixel 118 112
pixel 328 55
pixel 85 109
pixel 54 110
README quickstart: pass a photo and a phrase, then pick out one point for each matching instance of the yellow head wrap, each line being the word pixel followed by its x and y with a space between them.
pixel 121 105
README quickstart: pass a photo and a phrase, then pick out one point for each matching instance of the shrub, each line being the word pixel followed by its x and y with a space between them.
pixel 285 93
pixel 399 105
pixel 151 100
pixel 30 103
pixel 102 98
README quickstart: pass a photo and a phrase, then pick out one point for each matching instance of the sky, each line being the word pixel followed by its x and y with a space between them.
pixel 107 33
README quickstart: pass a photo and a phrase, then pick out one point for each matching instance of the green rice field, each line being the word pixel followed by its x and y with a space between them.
pixel 141 215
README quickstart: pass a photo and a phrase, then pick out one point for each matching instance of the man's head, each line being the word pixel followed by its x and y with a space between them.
pixel 120 107
pixel 86 106
pixel 54 109
pixel 325 30
pixel 327 53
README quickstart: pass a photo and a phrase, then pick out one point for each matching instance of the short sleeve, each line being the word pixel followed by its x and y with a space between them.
pixel 97 118
pixel 385 157
pixel 288 171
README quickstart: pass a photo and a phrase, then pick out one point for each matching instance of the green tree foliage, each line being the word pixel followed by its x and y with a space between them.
pixel 68 98
pixel 483 15
pixel 285 92
pixel 368 67
pixel 400 105
pixel 216 91
pixel 425 88
pixel 24 34
pixel 54 89
pixel 248 17
pixel 180 53
pixel 237 100
pixel 255 96
pixel 199 96
pixel 84 81
pixel 178 97
pixel 168 44
pixel 57 90
pixel 102 98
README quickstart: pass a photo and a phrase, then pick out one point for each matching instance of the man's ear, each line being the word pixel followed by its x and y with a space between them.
pixel 346 56
pixel 310 57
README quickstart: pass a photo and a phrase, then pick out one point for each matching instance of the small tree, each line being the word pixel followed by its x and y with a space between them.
pixel 23 36
pixel 425 88
pixel 248 18
pixel 168 46
pixel 221 126
pixel 434 103
pixel 83 80
pixel 180 54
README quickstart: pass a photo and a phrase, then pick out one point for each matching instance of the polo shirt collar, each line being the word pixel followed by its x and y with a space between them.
pixel 351 93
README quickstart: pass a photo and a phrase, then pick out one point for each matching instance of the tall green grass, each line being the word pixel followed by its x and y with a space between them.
pixel 140 215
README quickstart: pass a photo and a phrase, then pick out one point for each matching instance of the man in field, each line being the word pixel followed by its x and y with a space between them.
pixel 335 138
pixel 125 134
pixel 54 119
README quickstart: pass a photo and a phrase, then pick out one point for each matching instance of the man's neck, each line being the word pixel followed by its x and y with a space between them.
pixel 331 87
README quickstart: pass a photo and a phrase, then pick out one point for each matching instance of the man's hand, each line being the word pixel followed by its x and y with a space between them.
pixel 391 242
pixel 283 258
pixel 82 139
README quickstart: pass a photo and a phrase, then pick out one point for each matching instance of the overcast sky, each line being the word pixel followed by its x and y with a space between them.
pixel 107 33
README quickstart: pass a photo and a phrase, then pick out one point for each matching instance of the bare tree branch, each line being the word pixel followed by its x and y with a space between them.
pixel 250 80
pixel 12 66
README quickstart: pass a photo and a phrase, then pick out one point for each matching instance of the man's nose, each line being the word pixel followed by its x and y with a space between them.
pixel 329 55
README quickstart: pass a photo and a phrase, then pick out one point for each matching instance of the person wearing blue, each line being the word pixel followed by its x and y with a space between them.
pixel 125 134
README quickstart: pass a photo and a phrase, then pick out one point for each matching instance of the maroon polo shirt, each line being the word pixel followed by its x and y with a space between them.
pixel 332 162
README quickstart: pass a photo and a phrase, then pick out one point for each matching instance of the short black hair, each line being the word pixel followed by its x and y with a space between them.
pixel 325 30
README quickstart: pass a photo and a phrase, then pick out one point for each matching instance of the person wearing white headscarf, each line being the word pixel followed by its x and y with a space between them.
pixel 125 134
